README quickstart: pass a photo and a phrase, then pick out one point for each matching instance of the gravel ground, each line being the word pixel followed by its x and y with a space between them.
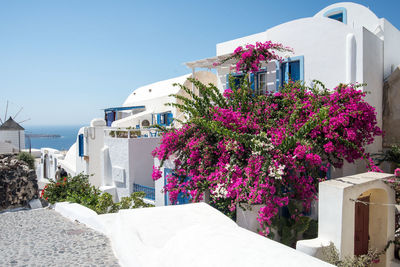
pixel 42 237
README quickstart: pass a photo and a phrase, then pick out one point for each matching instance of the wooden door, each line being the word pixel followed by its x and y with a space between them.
pixel 361 225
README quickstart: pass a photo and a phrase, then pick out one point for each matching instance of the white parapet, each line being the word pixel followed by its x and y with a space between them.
pixel 186 235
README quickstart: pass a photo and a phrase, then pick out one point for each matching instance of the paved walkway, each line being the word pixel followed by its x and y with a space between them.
pixel 42 237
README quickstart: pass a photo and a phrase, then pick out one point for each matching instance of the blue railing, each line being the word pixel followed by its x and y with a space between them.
pixel 149 191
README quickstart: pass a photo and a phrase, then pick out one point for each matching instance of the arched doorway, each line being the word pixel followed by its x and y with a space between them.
pixel 371 221
pixel 46 166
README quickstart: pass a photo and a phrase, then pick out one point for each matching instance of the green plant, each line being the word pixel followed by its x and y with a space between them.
pixel 392 155
pixel 77 189
pixel 294 224
pixel 331 255
pixel 134 201
pixel 28 158
pixel 135 133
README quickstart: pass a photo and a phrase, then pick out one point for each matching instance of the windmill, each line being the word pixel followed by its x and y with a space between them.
pixel 13 117
pixel 12 134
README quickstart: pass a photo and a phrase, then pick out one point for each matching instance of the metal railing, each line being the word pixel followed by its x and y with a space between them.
pixel 149 191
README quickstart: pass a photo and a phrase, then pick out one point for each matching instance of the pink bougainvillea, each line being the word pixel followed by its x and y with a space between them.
pixel 267 149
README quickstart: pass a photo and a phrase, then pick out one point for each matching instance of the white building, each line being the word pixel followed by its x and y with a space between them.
pixel 49 160
pixel 342 43
pixel 146 105
pixel 12 137
pixel 118 158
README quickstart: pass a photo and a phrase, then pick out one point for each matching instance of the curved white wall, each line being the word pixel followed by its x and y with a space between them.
pixel 357 15
pixel 322 42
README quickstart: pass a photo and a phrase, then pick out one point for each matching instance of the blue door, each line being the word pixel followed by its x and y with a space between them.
pixel 182 198
pixel 110 116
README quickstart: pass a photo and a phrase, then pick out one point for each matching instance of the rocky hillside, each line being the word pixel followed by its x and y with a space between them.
pixel 18 183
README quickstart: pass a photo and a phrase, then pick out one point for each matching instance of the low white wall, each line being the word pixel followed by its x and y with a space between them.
pixel 141 161
pixel 186 235
pixel 119 159
pixel 131 162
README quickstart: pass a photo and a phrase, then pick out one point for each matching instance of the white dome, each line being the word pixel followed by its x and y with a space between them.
pixel 154 90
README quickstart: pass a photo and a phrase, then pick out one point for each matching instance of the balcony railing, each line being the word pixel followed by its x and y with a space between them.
pixel 131 133
pixel 149 191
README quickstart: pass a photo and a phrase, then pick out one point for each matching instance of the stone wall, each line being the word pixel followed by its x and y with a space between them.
pixel 18 183
pixel 391 109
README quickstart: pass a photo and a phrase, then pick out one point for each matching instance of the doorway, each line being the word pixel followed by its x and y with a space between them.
pixel 361 227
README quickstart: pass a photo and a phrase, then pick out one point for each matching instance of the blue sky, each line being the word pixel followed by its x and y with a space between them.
pixel 64 61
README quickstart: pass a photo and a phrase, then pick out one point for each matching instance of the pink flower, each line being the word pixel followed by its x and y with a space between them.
pixel 397 172
pixel 329 148
pixel 157 174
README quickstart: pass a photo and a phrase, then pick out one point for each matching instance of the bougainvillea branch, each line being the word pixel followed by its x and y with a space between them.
pixel 265 149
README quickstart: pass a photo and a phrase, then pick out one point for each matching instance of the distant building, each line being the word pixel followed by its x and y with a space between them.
pixel 12 137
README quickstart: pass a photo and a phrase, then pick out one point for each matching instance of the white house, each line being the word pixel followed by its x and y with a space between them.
pixel 146 105
pixel 116 152
pixel 342 43
pixel 12 137
pixel 49 160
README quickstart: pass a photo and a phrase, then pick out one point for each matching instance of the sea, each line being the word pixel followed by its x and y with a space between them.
pixel 67 136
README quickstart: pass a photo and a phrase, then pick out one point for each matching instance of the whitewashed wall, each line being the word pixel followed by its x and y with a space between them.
pixel 95 142
pixel 119 159
pixel 357 15
pixel 15 138
pixel 6 148
pixel 131 162
pixel 372 55
pixel 141 161
pixel 391 47
pixel 324 54
pixel 50 158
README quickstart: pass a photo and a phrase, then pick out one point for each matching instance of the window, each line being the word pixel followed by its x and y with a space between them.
pixel 261 83
pixel 164 118
pixel 291 69
pixel 339 14
pixel 235 82
pixel 145 123
pixel 80 141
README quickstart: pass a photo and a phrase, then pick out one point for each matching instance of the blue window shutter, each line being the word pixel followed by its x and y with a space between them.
pixel 110 118
pixel 158 118
pixel 169 118
pixel 283 73
pixel 227 82
pixel 328 174
pixel 252 83
pixel 80 141
pixel 277 75
pixel 294 70
pixel 183 198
